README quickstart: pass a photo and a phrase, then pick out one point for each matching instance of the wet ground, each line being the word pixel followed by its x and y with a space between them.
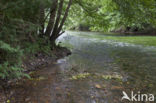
pixel 96 72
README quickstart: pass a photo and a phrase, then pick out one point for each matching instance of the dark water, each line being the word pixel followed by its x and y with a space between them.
pixel 96 72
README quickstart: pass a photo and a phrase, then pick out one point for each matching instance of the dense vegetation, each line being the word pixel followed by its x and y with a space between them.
pixel 109 15
pixel 31 26
pixel 28 27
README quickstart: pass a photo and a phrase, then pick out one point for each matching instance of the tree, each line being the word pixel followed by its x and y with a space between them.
pixel 27 26
pixel 55 23
pixel 51 21
pixel 107 15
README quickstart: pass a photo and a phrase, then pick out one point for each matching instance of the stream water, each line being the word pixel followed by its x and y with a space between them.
pixel 98 71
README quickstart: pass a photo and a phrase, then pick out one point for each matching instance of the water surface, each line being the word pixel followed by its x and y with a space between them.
pixel 97 72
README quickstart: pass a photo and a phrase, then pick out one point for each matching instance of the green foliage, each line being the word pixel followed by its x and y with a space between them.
pixel 20 25
pixel 10 54
pixel 10 72
pixel 40 45
pixel 107 15
pixel 10 62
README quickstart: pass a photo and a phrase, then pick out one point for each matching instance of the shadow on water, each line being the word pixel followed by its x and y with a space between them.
pixel 96 72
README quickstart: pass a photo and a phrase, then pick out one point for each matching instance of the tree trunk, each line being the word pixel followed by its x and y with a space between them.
pixel 53 10
pixel 64 18
pixel 41 20
pixel 1 20
pixel 58 18
pixel 57 32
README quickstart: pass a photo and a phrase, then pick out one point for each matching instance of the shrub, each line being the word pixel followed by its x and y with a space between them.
pixel 10 72
pixel 41 45
pixel 10 62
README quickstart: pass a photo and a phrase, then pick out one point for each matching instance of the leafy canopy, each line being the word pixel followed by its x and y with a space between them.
pixel 106 15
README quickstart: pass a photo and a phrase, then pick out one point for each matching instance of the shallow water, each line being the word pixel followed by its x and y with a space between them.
pixel 96 72
pixel 135 64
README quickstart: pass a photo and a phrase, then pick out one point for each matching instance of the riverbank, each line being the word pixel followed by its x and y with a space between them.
pixel 31 64
pixel 97 71
pixel 41 60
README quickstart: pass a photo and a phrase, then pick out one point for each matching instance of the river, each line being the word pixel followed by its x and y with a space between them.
pixel 98 71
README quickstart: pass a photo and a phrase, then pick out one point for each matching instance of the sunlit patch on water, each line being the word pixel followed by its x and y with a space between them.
pixel 81 76
pixel 60 61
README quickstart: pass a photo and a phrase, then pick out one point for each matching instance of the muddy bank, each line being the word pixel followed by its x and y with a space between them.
pixel 40 60
pixel 32 63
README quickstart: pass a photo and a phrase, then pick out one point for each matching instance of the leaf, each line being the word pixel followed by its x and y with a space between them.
pixel 98 86
pixel 116 87
pixel 8 101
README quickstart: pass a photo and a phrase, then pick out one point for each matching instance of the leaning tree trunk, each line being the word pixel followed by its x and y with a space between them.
pixel 41 20
pixel 58 17
pixel 57 31
pixel 53 10
pixel 64 18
